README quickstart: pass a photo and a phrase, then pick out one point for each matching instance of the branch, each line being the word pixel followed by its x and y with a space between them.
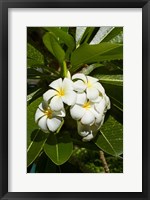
pixel 102 157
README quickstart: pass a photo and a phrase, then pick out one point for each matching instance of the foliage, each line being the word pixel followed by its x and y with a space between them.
pixel 94 51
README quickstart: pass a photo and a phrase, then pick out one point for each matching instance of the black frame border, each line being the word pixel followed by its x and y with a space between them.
pixel 4 6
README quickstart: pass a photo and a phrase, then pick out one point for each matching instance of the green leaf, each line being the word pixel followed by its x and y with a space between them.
pixel 111 79
pixel 38 139
pixel 35 58
pixel 35 137
pixel 63 36
pixel 53 46
pixel 89 68
pixel 110 138
pixel 33 73
pixel 87 54
pixel 59 147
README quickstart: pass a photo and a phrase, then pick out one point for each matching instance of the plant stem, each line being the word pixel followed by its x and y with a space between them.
pixel 64 69
pixel 102 157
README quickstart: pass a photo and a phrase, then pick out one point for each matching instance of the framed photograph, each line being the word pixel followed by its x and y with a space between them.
pixel 74 99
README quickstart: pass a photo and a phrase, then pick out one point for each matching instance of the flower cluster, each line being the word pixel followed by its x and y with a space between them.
pixel 86 98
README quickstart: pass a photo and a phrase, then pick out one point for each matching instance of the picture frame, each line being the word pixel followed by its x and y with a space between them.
pixel 4 6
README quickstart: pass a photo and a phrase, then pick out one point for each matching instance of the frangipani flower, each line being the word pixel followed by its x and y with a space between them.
pixel 47 119
pixel 93 88
pixel 84 110
pixel 62 92
pixel 90 115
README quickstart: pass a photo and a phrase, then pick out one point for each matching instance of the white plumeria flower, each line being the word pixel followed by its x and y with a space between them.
pixel 47 119
pixel 62 92
pixel 84 110
pixel 89 130
pixel 93 88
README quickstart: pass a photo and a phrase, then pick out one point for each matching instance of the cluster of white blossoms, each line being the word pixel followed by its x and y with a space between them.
pixel 86 98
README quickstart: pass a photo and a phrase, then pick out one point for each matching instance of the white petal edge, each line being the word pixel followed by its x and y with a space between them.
pixel 81 98
pixel 92 93
pixel 60 113
pixel 79 86
pixel 56 103
pixel 79 76
pixel 38 115
pixel 49 94
pixel 88 138
pixel 67 84
pixel 57 84
pixel 88 118
pixel 42 123
pixel 92 79
pixel 70 98
pixel 53 124
pixel 100 107
pixel 99 87
pixel 77 112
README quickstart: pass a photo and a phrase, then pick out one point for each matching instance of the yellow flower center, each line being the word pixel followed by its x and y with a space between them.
pixel 61 92
pixel 89 84
pixel 48 113
pixel 86 105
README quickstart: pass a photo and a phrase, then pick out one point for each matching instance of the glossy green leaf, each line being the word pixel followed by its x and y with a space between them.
pixel 59 147
pixel 111 79
pixel 53 46
pixel 35 137
pixel 110 138
pixel 87 54
pixel 34 57
pixel 89 68
pixel 38 139
pixel 63 36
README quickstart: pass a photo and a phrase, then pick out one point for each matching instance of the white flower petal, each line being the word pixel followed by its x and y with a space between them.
pixel 95 113
pixel 77 112
pixel 79 76
pixel 57 84
pixel 100 120
pixel 42 123
pixel 100 107
pixel 53 124
pixel 79 86
pixel 68 74
pixel 92 93
pixel 88 137
pixel 56 103
pixel 41 107
pixel 99 87
pixel 49 94
pixel 70 98
pixel 81 98
pixel 88 118
pixel 92 79
pixel 38 115
pixel 45 105
pixel 97 100
pixel 83 133
pixel 67 84
pixel 60 113
pixel 107 102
